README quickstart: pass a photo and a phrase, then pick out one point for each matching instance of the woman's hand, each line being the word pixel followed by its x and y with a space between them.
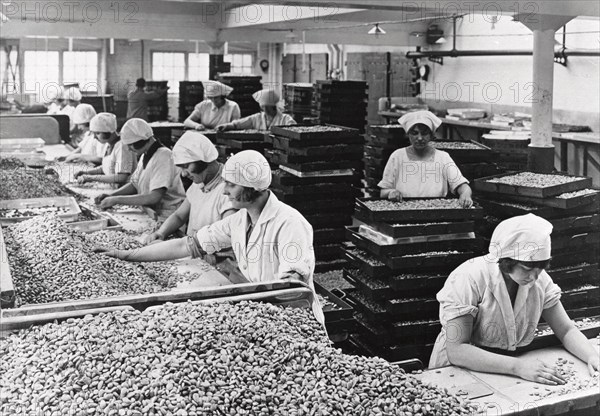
pixel 100 198
pixel 535 370
pixel 81 179
pixel 199 127
pixel 593 364
pixel 223 127
pixel 108 202
pixel 465 200
pixel 76 157
pixel 153 238
pixel 117 254
pixel 395 195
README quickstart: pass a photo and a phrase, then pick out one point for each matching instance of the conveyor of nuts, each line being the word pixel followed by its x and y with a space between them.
pixel 247 358
pixel 51 263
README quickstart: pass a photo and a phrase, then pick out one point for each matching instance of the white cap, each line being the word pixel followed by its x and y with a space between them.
pixel 216 89
pixel 103 123
pixel 83 113
pixel 193 146
pixel 266 97
pixel 52 93
pixel 420 117
pixel 248 168
pixel 72 94
pixel 524 238
pixel 134 130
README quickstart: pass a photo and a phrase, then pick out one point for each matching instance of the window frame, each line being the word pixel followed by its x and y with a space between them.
pixel 173 90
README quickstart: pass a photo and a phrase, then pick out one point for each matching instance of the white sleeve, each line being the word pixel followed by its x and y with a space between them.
pixel 390 173
pixel 217 236
pixel 295 249
pixel 460 295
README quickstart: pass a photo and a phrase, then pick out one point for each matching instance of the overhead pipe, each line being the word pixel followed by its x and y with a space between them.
pixel 454 53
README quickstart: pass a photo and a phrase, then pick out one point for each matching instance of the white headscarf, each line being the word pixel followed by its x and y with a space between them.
pixel 83 113
pixel 248 168
pixel 524 238
pixel 420 117
pixel 216 89
pixel 103 123
pixel 193 146
pixel 134 130
pixel 72 94
pixel 266 97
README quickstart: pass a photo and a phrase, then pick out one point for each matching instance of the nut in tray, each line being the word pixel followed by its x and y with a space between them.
pixel 426 209
pixel 16 210
pixel 537 185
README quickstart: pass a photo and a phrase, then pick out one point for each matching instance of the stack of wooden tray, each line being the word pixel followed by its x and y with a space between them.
pixel 231 142
pixel 573 209
pixel 399 259
pixel 158 109
pixel 473 159
pixel 316 176
pixel 190 94
pixel 298 99
pixel 243 88
pixel 341 102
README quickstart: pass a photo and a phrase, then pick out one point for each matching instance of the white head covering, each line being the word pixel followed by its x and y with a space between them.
pixel 266 97
pixel 103 123
pixel 83 113
pixel 248 168
pixel 134 130
pixel 524 238
pixel 72 94
pixel 216 89
pixel 193 146
pixel 420 117
pixel 52 93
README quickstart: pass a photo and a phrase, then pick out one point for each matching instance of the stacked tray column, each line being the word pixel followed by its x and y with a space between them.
pixel 190 94
pixel 341 102
pixel 158 110
pixel 243 88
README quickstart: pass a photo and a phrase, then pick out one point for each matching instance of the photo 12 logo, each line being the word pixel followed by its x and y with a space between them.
pixel 70 11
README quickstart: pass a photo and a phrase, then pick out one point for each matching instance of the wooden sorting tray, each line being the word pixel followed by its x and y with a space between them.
pixel 242 135
pixel 395 131
pixel 446 261
pixel 576 275
pixel 318 166
pixel 101 221
pixel 418 283
pixel 285 143
pixel 280 157
pixel 581 298
pixel 477 153
pixel 562 203
pixel 372 309
pixel 242 144
pixel 571 241
pixel 366 263
pixel 283 178
pixel 341 311
pixel 482 185
pixel 374 287
pixel 384 250
pixel 416 308
pixel 589 254
pixel 315 151
pixel 417 215
pixel 506 209
pixel 398 230
pixel 587 222
pixel 67 202
pixel 291 133
pixel 550 340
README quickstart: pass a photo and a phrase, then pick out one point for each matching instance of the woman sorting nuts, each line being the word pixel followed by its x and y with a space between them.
pixel 491 305
pixel 155 183
pixel 420 170
pixel 205 201
pixel 118 162
pixel 270 239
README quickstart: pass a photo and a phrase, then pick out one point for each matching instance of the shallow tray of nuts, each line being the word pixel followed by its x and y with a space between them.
pixel 538 185
pixel 219 359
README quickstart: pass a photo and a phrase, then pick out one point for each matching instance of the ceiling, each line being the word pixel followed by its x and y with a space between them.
pixel 343 22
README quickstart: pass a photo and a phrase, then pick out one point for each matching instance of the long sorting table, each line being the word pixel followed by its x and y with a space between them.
pixel 497 394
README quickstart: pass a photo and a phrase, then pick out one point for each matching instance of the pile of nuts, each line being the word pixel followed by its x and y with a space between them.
pixel 534 180
pixel 20 182
pixel 455 145
pixel 388 126
pixel 574 383
pixel 51 262
pixel 32 212
pixel 413 204
pixel 313 129
pixel 433 253
pixel 326 304
pixel 365 257
pixel 332 280
pixel 568 195
pixel 247 358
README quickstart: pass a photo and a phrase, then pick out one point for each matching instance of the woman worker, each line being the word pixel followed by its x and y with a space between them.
pixel 216 109
pixel 419 170
pixel 495 302
pixel 88 148
pixel 155 183
pixel 269 115
pixel 270 239
pixel 205 201
pixel 118 162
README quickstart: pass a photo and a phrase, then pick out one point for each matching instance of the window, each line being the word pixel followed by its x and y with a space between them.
pixel 81 67
pixel 9 72
pixel 198 65
pixel 241 63
pixel 41 71
pixel 169 66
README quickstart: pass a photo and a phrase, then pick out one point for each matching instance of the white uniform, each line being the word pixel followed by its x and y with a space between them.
pixel 281 241
pixel 119 160
pixel 68 110
pixel 90 146
pixel 258 121
pixel 160 173
pixel 422 179
pixel 477 288
pixel 210 116
pixel 207 203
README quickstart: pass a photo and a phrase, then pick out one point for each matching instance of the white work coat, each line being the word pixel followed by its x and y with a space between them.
pixel 160 173
pixel 281 241
pixel 477 288
pixel 207 114
pixel 90 146
pixel 119 160
pixel 431 178
pixel 258 121
pixel 207 203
